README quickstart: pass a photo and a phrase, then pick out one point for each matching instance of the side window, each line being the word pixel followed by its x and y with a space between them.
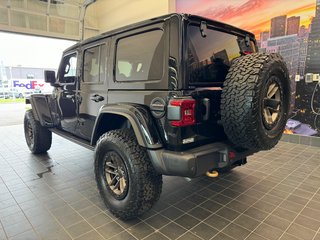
pixel 68 69
pixel 140 57
pixel 94 64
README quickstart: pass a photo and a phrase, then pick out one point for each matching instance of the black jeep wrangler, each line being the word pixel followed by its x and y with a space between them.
pixel 175 95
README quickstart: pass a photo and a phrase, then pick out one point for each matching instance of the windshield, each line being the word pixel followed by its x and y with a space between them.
pixel 210 56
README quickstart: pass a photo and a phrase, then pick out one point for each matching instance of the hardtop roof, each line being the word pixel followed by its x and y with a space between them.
pixel 158 19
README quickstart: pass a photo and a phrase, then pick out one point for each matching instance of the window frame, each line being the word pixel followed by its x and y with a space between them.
pixel 100 45
pixel 114 67
pixel 75 52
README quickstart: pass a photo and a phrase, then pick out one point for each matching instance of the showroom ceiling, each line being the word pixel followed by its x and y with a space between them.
pixel 62 18
pixel 55 18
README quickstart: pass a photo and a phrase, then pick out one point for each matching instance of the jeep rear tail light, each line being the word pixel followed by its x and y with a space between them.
pixel 232 155
pixel 181 112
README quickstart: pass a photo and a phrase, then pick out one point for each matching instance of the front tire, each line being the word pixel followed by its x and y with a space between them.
pixel 126 179
pixel 38 138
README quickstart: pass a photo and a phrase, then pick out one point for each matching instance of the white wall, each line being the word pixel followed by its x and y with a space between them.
pixel 113 14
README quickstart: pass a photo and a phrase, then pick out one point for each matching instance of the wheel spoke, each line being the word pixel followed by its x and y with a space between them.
pixel 109 164
pixel 122 184
pixel 115 174
pixel 116 186
pixel 112 180
pixel 267 113
pixel 30 133
pixel 269 117
pixel 273 88
pixel 272 103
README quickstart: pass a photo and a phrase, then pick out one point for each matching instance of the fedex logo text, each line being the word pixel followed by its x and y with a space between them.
pixel 31 85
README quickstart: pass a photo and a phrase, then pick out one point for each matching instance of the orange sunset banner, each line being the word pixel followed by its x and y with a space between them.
pixel 252 15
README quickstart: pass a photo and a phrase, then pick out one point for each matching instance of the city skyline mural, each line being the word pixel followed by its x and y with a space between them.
pixel 252 15
pixel 291 28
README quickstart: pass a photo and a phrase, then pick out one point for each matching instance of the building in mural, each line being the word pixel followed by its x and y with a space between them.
pixel 308 89
pixel 288 47
pixel 293 25
pixel 278 26
pixel 303 41
pixel 313 56
pixel 292 45
pixel 264 36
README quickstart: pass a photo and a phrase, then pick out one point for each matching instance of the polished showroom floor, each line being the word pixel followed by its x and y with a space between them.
pixel 54 196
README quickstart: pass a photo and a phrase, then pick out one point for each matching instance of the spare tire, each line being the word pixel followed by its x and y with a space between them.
pixel 255 101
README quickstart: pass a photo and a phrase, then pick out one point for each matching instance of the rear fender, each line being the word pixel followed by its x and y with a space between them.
pixel 139 118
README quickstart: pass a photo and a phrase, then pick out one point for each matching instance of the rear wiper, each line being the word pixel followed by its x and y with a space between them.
pixel 203 28
pixel 247 41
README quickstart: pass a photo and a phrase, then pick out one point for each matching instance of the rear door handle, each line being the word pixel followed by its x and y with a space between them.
pixel 96 98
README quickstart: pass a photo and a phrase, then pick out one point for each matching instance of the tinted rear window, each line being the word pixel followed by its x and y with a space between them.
pixel 210 57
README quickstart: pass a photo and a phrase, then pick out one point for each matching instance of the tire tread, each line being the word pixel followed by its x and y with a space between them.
pixel 240 106
pixel 42 136
pixel 149 190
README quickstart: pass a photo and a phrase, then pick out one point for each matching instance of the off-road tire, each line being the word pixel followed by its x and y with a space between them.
pixel 38 138
pixel 144 183
pixel 243 101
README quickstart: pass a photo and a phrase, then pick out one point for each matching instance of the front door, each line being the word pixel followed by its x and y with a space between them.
pixel 93 88
pixel 66 92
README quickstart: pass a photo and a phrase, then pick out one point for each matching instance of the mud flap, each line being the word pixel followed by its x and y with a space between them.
pixel 44 107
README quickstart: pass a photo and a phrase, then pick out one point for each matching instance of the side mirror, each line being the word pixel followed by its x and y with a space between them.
pixel 50 77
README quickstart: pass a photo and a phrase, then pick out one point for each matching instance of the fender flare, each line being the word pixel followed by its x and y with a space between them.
pixel 140 119
pixel 41 105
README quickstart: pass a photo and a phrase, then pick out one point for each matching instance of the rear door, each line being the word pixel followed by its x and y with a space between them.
pixel 211 49
pixel 92 93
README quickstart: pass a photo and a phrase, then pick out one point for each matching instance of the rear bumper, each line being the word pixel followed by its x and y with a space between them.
pixel 196 161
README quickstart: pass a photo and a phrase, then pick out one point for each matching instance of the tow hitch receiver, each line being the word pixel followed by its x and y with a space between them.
pixel 212 174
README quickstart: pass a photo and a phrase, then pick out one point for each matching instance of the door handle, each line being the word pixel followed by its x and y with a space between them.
pixel 96 98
